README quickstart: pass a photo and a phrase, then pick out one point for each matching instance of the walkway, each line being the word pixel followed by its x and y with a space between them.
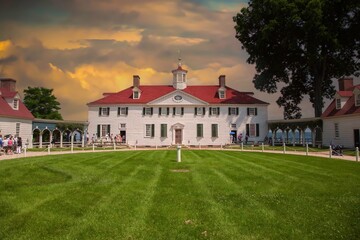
pixel 45 153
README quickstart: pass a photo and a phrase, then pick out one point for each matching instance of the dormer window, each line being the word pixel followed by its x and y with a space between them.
pixel 338 103
pixel 136 95
pixel 221 94
pixel 357 100
pixel 16 104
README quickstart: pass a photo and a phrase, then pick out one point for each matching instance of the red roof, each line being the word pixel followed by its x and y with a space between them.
pixel 347 109
pixel 7 111
pixel 345 93
pixel 208 94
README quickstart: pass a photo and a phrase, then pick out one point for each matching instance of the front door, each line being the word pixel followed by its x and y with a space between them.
pixel 356 138
pixel 178 136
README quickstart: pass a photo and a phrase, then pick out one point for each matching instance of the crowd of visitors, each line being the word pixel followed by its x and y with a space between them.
pixel 10 144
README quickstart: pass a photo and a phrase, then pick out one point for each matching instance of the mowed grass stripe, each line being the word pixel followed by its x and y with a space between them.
pixel 72 196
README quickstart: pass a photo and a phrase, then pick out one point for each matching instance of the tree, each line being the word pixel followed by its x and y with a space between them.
pixel 42 103
pixel 300 46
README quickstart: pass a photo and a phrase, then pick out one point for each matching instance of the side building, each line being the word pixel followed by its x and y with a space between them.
pixel 163 115
pixel 15 118
pixel 341 119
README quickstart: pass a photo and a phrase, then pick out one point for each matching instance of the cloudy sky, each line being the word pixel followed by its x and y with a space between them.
pixel 82 48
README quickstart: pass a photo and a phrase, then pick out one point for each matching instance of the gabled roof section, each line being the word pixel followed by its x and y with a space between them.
pixel 345 93
pixel 148 93
pixel 205 93
pixel 210 94
pixel 348 108
pixel 7 111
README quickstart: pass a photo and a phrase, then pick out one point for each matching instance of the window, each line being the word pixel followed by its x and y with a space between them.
pixel 122 125
pixel 103 129
pixel 148 111
pixel 149 130
pixel 357 102
pixel 122 111
pixel 233 111
pixel 136 95
pixel 251 111
pixel 199 130
pixel 338 103
pixel 214 130
pixel 221 94
pixel 164 111
pixel 252 130
pixel 163 131
pixel 199 111
pixel 16 104
pixel 178 111
pixel 104 111
pixel 233 125
pixel 17 129
pixel 337 132
pixel 214 111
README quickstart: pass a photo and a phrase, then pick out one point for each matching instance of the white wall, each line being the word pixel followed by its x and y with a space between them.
pixel 347 124
pixel 8 126
pixel 135 124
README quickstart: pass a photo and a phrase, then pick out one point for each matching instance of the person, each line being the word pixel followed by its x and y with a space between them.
pixel 19 145
pixel 1 141
pixel 5 144
pixel 246 139
pixel 53 142
pixel 240 137
pixel 10 145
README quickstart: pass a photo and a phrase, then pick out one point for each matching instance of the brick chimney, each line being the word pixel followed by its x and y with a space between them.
pixel 8 83
pixel 345 83
pixel 136 81
pixel 222 81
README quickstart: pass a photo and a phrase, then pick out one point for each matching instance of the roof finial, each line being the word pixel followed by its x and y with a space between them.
pixel 179 58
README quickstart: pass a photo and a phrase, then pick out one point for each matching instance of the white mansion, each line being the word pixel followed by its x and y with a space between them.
pixel 163 115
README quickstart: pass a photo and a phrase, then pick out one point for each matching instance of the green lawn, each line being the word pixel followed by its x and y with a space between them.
pixel 135 195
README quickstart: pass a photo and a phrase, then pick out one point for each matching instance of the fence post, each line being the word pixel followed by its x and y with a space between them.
pixel 72 147
pixel 307 149
pixel 48 149
pixel 284 147
pixel 242 146
pixel 357 154
pixel 262 147
pixel 25 151
pixel 114 145
pixel 178 153
pixel 93 147
pixel 330 151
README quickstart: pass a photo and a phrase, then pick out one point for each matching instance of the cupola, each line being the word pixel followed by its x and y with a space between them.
pixel 179 77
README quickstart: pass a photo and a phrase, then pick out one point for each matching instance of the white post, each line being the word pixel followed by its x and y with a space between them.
pixel 72 147
pixel 357 154
pixel 178 153
pixel 262 147
pixel 242 146
pixel 307 149
pixel 330 151
pixel 284 147
pixel 114 145
pixel 49 149
pixel 199 146
pixel 93 147
pixel 25 151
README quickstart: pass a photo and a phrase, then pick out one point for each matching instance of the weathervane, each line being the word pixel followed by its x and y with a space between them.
pixel 179 57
